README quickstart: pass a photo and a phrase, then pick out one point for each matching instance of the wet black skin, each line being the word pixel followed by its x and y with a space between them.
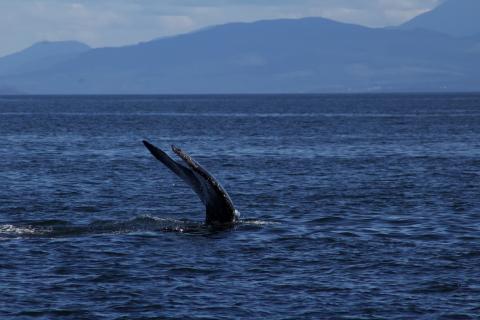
pixel 219 207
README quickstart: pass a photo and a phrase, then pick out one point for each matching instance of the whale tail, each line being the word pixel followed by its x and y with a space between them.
pixel 218 205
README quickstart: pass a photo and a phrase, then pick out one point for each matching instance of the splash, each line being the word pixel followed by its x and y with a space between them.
pixel 9 229
pixel 140 225
pixel 143 224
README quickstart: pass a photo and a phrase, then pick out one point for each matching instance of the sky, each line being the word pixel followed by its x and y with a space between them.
pixel 101 23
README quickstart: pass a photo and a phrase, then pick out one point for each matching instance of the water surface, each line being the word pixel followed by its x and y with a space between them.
pixel 353 207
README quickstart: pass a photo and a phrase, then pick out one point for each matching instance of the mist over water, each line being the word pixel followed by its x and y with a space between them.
pixel 352 206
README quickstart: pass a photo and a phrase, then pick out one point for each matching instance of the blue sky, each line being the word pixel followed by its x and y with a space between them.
pixel 119 22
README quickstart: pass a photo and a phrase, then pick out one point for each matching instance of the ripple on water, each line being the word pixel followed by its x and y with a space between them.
pixel 353 207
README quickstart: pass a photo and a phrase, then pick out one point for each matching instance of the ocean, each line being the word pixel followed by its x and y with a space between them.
pixel 352 207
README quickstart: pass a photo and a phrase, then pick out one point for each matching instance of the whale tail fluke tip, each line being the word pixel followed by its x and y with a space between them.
pixel 148 145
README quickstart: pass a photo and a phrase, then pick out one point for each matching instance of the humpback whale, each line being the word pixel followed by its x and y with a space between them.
pixel 219 207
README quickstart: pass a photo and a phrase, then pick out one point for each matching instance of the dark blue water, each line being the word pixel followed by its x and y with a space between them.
pixel 353 207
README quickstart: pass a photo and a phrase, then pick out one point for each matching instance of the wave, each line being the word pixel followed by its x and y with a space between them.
pixel 144 224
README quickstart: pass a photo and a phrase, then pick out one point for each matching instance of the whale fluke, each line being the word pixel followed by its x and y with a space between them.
pixel 219 207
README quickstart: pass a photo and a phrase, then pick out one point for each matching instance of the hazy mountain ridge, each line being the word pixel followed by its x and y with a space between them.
pixel 4 90
pixel 459 18
pixel 41 55
pixel 304 55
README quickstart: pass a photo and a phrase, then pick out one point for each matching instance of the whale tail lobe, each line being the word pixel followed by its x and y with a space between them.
pixel 219 207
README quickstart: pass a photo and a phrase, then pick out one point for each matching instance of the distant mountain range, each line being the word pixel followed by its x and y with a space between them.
pixel 310 55
pixel 9 91
pixel 459 18
pixel 41 56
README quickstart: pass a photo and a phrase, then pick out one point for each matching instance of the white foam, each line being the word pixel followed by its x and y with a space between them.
pixel 11 229
pixel 258 222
